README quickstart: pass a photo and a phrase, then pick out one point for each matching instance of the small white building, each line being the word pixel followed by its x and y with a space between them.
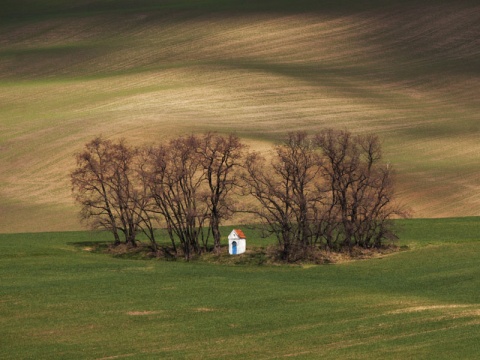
pixel 237 243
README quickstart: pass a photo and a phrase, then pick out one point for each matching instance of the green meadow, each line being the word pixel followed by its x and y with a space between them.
pixel 60 300
pixel 149 70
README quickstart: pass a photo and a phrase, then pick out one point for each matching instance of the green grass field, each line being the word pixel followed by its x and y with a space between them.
pixel 149 70
pixel 59 300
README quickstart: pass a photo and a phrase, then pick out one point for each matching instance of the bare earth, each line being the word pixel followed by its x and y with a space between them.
pixel 409 74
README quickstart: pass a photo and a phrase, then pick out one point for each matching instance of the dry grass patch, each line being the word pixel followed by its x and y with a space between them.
pixel 204 309
pixel 117 356
pixel 142 313
pixel 470 310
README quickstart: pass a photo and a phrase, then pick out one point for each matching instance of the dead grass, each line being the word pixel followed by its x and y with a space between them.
pixel 142 313
pixel 255 255
pixel 204 309
pixel 414 309
pixel 117 356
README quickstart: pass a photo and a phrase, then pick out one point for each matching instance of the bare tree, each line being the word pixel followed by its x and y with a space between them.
pixel 105 184
pixel 286 191
pixel 361 190
pixel 176 187
pixel 146 205
pixel 220 156
pixel 126 195
pixel 91 186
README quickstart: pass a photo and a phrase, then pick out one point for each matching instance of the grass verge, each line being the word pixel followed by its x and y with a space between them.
pixel 59 300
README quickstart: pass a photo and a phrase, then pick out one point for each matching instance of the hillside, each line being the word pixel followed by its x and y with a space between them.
pixel 147 70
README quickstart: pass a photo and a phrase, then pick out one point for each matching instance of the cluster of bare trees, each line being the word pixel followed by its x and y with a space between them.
pixel 183 186
pixel 328 191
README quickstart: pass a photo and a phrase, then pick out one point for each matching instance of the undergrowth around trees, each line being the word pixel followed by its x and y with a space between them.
pixel 316 194
pixel 258 253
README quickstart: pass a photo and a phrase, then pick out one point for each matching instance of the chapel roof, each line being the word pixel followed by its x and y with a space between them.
pixel 240 234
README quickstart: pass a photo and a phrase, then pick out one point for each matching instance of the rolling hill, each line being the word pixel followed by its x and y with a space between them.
pixel 148 70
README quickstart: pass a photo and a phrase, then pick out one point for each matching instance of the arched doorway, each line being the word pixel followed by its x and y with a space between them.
pixel 234 248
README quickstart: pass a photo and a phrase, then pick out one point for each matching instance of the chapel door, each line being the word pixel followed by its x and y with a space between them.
pixel 234 248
